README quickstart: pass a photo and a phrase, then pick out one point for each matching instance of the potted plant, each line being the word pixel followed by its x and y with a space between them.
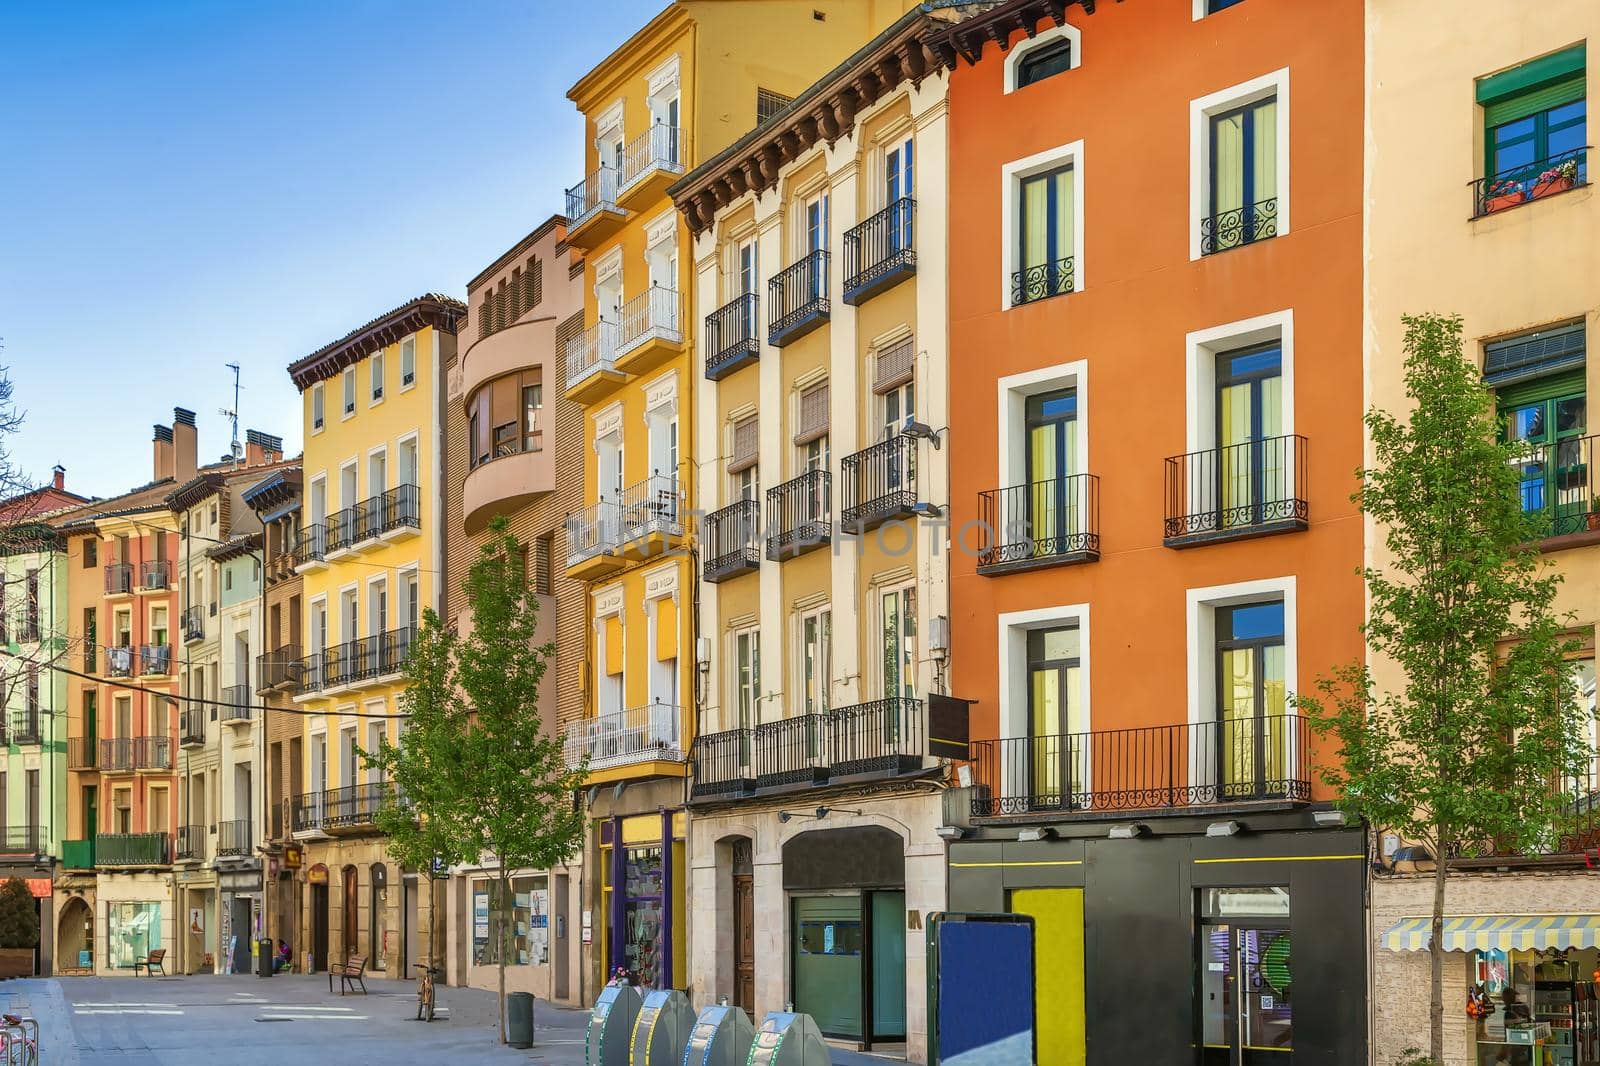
pixel 1558 178
pixel 1592 518
pixel 1501 195
pixel 19 929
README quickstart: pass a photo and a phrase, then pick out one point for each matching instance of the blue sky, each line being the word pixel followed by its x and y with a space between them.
pixel 184 185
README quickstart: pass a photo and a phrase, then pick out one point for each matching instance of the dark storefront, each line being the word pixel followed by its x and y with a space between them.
pixel 1222 950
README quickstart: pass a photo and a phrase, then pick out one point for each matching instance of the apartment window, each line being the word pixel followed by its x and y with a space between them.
pixel 376 377
pixel 1203 8
pixel 816 660
pixel 1252 470
pixel 532 415
pixel 1252 698
pixel 157 819
pixel 122 810
pixel 316 407
pixel 1239 165
pixel 897 618
pixel 1539 383
pixel 541 563
pixel 1056 771
pixel 769 104
pixel 747 677
pixel 1052 52
pixel 91 553
pixel 408 362
pixel 1043 214
pixel 506 417
pixel 349 391
pixel 1535 127
pixel 158 625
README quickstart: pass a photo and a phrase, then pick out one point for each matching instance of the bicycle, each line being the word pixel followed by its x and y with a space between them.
pixel 424 992
pixel 17 1047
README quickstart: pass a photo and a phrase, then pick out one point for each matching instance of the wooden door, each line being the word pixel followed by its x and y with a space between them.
pixel 352 914
pixel 744 939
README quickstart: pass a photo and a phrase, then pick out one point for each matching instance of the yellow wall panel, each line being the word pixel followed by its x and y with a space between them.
pixel 1057 915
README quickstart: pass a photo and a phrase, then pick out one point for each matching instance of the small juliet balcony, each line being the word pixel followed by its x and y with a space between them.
pixel 119 579
pixel 155 660
pixel 592 363
pixel 800 515
pixel 594 536
pixel 650 330
pixel 23 841
pixel 1040 281
pixel 155 575
pixel 797 299
pixel 880 483
pixel 1252 489
pixel 881 252
pixel 593 209
pixel 279 669
pixel 1561 492
pixel 648 734
pixel 192 623
pixel 308 813
pixel 190 845
pixel 234 839
pixel 730 541
pixel 1529 182
pixel 82 753
pixel 25 727
pixel 1046 523
pixel 121 660
pixel 733 337
pixel 311 549
pixel 192 728
pixel 650 162
pixel 1236 227
pixel 237 705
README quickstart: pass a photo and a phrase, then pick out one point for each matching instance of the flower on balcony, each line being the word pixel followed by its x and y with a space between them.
pixel 1566 172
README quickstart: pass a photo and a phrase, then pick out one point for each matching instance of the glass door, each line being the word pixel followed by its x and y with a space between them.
pixel 1551 418
pixel 1251 471
pixel 1244 174
pixel 1055 774
pixel 1251 736
pixel 1053 513
pixel 1246 1015
pixel 899 184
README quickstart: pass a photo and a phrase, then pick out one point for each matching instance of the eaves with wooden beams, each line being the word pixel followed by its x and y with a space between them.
pixel 967 37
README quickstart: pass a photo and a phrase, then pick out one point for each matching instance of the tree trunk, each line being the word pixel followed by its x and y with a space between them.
pixel 505 921
pixel 1436 957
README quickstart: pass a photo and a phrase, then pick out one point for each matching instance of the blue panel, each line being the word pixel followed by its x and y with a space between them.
pixel 985 988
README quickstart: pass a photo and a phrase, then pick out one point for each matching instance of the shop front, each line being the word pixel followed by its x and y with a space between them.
pixel 532 930
pixel 136 913
pixel 641 887
pixel 199 942
pixel 240 918
pixel 74 926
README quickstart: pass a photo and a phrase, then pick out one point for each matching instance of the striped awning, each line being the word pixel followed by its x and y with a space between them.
pixel 1505 932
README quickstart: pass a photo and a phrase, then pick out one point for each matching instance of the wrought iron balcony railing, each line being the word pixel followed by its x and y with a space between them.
pixel 190 844
pixel 792 751
pixel 731 540
pixel 1188 765
pixel 797 299
pixel 1042 524
pixel 192 727
pixel 1043 280
pixel 658 148
pixel 651 315
pixel 119 579
pixel 655 505
pixel 398 508
pixel 1574 828
pixel 596 192
pixel 1239 226
pixel 594 351
pixel 25 727
pixel 234 838
pixel 880 251
pixel 132 849
pixel 619 738
pixel 82 753
pixel 1529 182
pixel 799 515
pixel 121 660
pixel 733 338
pixel 1561 487
pixel 595 530
pixel 1241 490
pixel 364 658
pixel 192 623
pixel 311 546
pixel 278 668
pixel 722 764
pixel 308 811
pixel 352 805
pixel 22 840
pixel 237 704
pixel 155 659
pixel 152 753
pixel 880 483
pixel 155 574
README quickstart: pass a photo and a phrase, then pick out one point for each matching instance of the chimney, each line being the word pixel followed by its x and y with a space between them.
pixel 60 478
pixel 163 454
pixel 261 448
pixel 184 445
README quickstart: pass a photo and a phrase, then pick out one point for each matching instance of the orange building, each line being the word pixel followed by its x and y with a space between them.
pixel 1155 410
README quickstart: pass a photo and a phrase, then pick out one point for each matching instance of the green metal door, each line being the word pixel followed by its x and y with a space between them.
pixel 827 962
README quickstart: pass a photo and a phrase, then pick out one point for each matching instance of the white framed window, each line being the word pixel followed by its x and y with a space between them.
pixel 747 484
pixel 349 381
pixel 746 658
pixel 896 661
pixel 1207 353
pixel 1042 219
pixel 815 660
pixel 895 406
pixel 1055 51
pixel 811 233
pixel 375 738
pixel 408 362
pixel 375 376
pixel 1239 165
pixel 1044 699
pixel 814 455
pixel 1202 8
pixel 317 415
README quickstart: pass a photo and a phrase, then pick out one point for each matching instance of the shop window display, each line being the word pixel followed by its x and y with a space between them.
pixel 642 915
pixel 133 931
pixel 1539 1007
pixel 528 942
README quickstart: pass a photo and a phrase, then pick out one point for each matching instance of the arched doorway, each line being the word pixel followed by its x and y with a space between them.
pixel 742 862
pixel 75 936
pixel 317 877
pixel 352 913
pixel 378 920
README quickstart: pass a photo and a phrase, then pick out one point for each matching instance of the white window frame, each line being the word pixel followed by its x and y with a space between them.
pixel 1012 634
pixel 1064 31
pixel 408 344
pixel 1199 11
pixel 1014 391
pixel 1275 84
pixel 319 408
pixel 347 393
pixel 898 587
pixel 1201 349
pixel 753 631
pixel 376 374
pixel 414 439
pixel 1011 178
pixel 825 651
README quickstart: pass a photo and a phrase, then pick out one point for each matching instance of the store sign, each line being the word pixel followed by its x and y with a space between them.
pixel 292 856
pixel 317 875
pixel 40 887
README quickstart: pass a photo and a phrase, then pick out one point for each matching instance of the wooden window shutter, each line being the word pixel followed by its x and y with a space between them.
pixel 614 644
pixel 746 445
pixel 813 423
pixel 895 365
pixel 666 629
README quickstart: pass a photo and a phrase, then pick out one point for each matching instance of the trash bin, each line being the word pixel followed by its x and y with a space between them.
pixel 519 1019
pixel 264 957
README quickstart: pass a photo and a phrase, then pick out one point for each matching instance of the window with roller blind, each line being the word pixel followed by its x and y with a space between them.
pixel 1535 120
pixel 506 417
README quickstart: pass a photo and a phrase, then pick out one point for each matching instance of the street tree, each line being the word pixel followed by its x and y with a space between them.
pixel 476 773
pixel 1460 732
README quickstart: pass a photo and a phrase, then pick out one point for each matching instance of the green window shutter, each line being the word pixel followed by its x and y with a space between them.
pixel 1538 390
pixel 1558 66
pixel 1511 108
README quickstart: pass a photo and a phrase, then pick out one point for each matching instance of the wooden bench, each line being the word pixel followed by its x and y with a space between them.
pixel 156 961
pixel 349 974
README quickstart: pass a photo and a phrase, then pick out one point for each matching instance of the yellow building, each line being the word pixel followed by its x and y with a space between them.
pixel 371 556
pixel 697 77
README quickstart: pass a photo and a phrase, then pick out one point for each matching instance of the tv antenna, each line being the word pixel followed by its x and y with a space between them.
pixel 233 416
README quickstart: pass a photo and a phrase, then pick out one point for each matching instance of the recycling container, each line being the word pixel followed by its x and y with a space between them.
pixel 519 1019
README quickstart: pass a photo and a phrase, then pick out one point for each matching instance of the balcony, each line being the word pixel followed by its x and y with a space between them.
pixel 721 765
pixel 1252 489
pixel 77 854
pixel 1184 768
pixel 880 483
pixel 622 738
pixel 1561 499
pixel 592 206
pixel 192 728
pixel 351 808
pixel 132 849
pixel 730 541
pixel 22 840
pixel 155 660
pixel 234 839
pixel 650 162
pixel 1047 523
pixel 592 363
pixel 237 705
pixel 1533 181
pixel 150 753
pixel 25 727
pixel 799 515
pixel 797 299
pixel 390 515
pixel 365 660
pixel 1043 280
pixel 279 669
pixel 307 813
pixel 593 536
pixel 652 514
pixel 520 466
pixel 91 656
pixel 192 623
pixel 120 661
pixel 1239 226
pixel 881 252
pixel 311 549
pixel 155 575
pixel 309 672
pixel 733 339
pixel 119 579
pixel 650 331
pixel 190 845
pixel 81 753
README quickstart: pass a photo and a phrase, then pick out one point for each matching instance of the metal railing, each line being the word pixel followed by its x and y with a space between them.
pixel 1043 280
pixel 592 352
pixel 77 854
pixel 237 704
pixel 1531 181
pixel 654 505
pixel 311 671
pixel 152 753
pixel 25 727
pixel 155 659
pixel 1237 490
pixel 1040 522
pixel 21 840
pixel 192 726
pixel 1239 226
pixel 596 192
pixel 881 736
pixel 1191 764
pixel 721 764
pixel 658 148
pixel 880 481
pixel 190 844
pixel 91 657
pixel 82 753
pixel 799 514
pixel 311 545
pixel 281 666
pixel 364 658
pixel 119 579
pixel 234 838
pixel 397 508
pixel 796 295
pixel 132 849
pixel 1574 828
pixel 116 753
pixel 155 574
pixel 880 246
pixel 617 738
pixel 651 315
pixel 733 335
pixel 307 811
pixel 192 623
pixel 120 660
pixel 1559 493
pixel 352 805
pixel 792 751
pixel 595 530
pixel 731 539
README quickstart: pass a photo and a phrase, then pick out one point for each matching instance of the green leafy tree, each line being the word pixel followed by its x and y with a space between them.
pixel 19 919
pixel 1462 742
pixel 476 772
